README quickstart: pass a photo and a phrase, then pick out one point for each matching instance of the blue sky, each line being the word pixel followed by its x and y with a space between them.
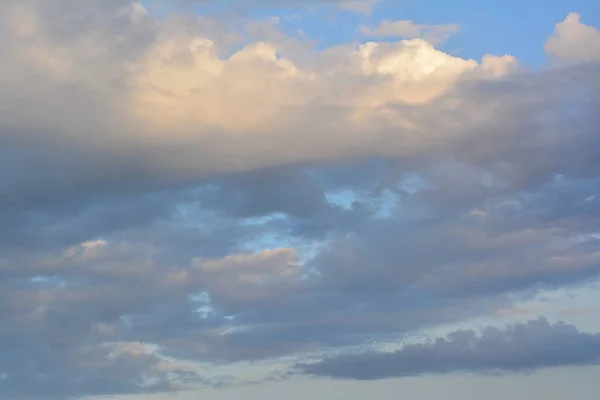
pixel 190 207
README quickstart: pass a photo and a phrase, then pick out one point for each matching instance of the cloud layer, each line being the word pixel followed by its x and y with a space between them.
pixel 180 189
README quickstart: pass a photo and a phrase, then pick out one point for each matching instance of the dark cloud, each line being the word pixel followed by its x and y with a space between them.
pixel 290 191
pixel 56 374
pixel 517 348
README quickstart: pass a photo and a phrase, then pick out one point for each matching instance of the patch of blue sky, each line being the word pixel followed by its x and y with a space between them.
pixel 381 205
pixel 317 24
pixel 47 280
pixel 265 241
pixel 269 240
pixel 344 198
pixel 202 304
pixel 412 182
pixel 263 219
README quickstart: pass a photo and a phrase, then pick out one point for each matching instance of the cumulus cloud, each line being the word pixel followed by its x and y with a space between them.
pixel 155 86
pixel 573 40
pixel 517 348
pixel 217 194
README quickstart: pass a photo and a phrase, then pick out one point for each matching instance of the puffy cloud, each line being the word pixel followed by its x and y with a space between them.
pixel 573 40
pixel 521 347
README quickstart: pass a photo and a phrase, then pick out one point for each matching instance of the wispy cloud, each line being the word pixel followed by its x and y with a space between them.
pixel 434 34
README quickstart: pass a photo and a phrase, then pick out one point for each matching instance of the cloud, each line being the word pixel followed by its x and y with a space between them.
pixel 517 348
pixel 434 34
pixel 114 369
pixel 358 6
pixel 363 7
pixel 221 192
pixel 573 40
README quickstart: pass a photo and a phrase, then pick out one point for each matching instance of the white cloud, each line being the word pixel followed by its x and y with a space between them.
pixel 158 83
pixel 266 91
pixel 573 40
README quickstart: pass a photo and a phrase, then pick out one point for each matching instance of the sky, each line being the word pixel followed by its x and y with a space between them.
pixel 334 199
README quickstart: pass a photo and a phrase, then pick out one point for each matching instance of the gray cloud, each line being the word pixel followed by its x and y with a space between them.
pixel 230 237
pixel 517 348
pixel 57 374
